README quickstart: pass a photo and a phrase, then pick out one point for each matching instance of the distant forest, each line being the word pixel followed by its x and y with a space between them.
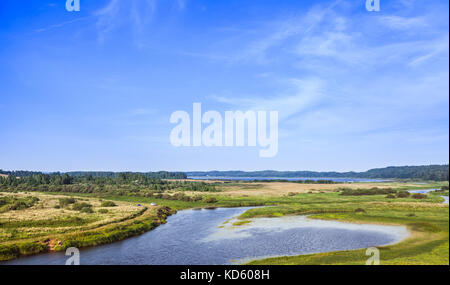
pixel 425 172
pixel 102 174
pixel 123 183
pixel 159 174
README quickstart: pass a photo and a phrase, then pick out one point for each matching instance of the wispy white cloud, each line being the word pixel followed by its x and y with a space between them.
pixel 369 78
pixel 431 50
pixel 137 15
pixel 403 23
pixel 60 25
pixel 323 35
pixel 351 50
pixel 302 94
pixel 107 19
pixel 277 32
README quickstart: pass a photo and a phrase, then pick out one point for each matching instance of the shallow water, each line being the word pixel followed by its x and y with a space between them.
pixel 202 237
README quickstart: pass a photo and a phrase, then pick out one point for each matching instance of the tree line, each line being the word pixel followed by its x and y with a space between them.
pixel 424 172
pixel 110 174
pixel 125 181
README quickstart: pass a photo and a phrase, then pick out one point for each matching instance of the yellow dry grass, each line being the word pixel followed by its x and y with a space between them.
pixel 45 210
pixel 284 188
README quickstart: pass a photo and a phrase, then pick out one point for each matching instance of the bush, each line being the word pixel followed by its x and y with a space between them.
pixel 210 200
pixel 360 210
pixel 19 205
pixel 108 204
pixel 196 198
pixel 291 194
pixel 87 210
pixel 15 204
pixel 372 191
pixel 419 196
pixel 103 211
pixel 403 194
pixel 80 206
pixel 64 202
pixel 390 196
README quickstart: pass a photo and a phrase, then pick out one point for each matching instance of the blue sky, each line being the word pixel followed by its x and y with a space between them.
pixel 94 90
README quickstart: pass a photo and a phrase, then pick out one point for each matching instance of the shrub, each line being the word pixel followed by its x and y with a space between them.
pixel 15 204
pixel 419 196
pixel 197 198
pixel 372 191
pixel 87 210
pixel 19 205
pixel 390 196
pixel 64 202
pixel 108 204
pixel 291 194
pixel 403 194
pixel 210 200
pixel 103 211
pixel 80 206
pixel 360 210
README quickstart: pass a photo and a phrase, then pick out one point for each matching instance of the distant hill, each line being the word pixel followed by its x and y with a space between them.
pixel 425 172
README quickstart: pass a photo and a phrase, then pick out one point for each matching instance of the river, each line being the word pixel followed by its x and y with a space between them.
pixel 207 236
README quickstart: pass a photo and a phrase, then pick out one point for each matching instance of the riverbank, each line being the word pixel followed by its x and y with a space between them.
pixel 47 226
pixel 427 222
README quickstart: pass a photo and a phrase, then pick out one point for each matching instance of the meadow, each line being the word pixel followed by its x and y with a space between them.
pixel 56 222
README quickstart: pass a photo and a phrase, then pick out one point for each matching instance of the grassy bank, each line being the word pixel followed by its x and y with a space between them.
pixel 48 227
pixel 427 220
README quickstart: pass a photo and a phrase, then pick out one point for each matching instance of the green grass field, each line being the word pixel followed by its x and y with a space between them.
pixel 428 221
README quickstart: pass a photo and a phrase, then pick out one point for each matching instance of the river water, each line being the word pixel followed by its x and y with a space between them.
pixel 208 237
